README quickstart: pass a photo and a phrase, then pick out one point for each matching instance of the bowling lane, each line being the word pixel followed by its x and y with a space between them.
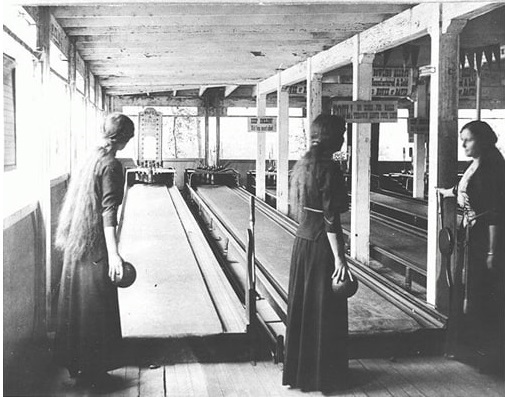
pixel 368 312
pixel 415 207
pixel 169 297
pixel 404 245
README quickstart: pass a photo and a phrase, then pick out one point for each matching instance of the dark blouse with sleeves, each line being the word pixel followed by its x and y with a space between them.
pixel 486 190
pixel 110 183
pixel 324 202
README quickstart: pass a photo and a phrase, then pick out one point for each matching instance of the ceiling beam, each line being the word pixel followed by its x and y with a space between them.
pixel 287 57
pixel 124 99
pixel 337 28
pixel 402 28
pixel 184 2
pixel 137 10
pixel 229 89
pixel 187 79
pixel 202 90
pixel 287 21
pixel 156 42
pixel 147 61
pixel 218 37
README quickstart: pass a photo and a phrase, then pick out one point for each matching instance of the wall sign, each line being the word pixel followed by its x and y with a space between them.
pixel 367 111
pixel 419 126
pixel 392 82
pixel 467 83
pixel 262 124
pixel 389 82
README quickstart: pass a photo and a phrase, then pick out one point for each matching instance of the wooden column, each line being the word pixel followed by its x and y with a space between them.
pixel 72 87
pixel 361 144
pixel 282 148
pixel 419 155
pixel 44 171
pixel 90 135
pixel 443 148
pixel 218 135
pixel 478 94
pixel 261 139
pixel 207 135
pixel 314 98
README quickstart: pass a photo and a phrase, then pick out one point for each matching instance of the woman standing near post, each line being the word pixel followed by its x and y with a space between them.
pixel 88 326
pixel 317 327
pixel 481 292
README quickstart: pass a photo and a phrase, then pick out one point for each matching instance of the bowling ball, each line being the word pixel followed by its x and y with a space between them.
pixel 346 288
pixel 129 276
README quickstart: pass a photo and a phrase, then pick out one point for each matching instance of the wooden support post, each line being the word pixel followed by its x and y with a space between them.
pixel 478 95
pixel 251 282
pixel 314 98
pixel 72 88
pixel 282 148
pixel 207 134
pixel 213 106
pixel 361 144
pixel 218 135
pixel 261 146
pixel 419 165
pixel 43 43
pixel 419 155
pixel 90 135
pixel 443 148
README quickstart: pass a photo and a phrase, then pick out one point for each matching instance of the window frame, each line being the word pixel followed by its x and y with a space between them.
pixel 10 62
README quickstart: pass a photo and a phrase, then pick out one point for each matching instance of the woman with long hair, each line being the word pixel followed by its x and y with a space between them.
pixel 317 325
pixel 88 328
pixel 479 288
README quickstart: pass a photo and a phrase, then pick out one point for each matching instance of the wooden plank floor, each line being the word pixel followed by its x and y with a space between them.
pixel 219 366
pixel 413 376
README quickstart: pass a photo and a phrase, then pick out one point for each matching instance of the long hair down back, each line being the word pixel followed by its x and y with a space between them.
pixel 80 226
pixel 326 136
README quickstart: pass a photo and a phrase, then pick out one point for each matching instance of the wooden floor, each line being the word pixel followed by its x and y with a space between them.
pixel 370 377
pixel 217 367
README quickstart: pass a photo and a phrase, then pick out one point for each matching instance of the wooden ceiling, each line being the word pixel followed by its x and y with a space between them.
pixel 147 47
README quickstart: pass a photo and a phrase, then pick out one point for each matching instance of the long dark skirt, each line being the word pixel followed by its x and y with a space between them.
pixel 317 327
pixel 481 330
pixel 88 327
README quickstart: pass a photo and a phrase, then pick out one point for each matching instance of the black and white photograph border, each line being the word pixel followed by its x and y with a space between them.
pixel 192 187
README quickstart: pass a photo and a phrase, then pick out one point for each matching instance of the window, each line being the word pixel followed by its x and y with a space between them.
pixel 394 139
pixel 60 122
pixel 183 136
pixel 9 113
pixel 238 143
pixel 183 131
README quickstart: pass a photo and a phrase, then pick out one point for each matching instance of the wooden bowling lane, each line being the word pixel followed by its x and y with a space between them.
pixel 169 297
pixel 405 246
pixel 416 207
pixel 369 313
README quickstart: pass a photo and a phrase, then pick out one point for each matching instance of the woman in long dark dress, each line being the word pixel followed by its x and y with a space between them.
pixel 480 295
pixel 88 328
pixel 317 326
